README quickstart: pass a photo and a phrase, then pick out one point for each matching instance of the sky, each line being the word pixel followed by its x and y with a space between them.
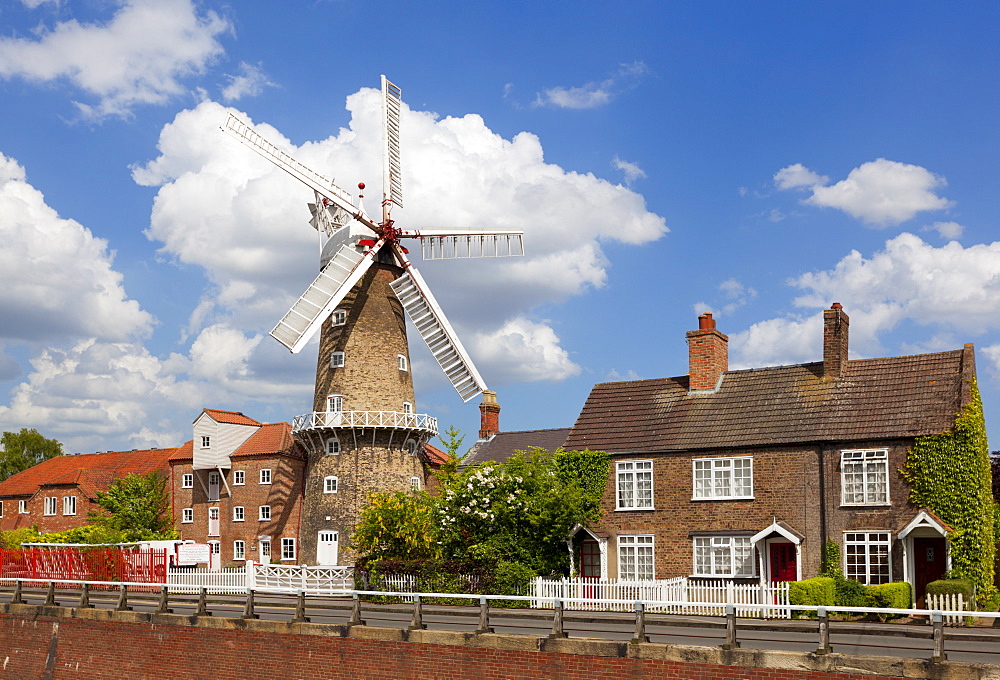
pixel 756 160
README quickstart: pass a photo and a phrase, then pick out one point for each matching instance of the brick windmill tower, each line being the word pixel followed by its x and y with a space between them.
pixel 364 434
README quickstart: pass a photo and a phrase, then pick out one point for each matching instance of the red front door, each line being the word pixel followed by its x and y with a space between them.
pixel 590 559
pixel 783 562
pixel 928 564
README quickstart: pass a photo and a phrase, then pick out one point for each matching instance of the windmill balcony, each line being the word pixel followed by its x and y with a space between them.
pixel 419 422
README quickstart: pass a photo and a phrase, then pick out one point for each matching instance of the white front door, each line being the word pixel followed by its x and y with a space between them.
pixel 213 486
pixel 214 555
pixel 326 549
pixel 213 521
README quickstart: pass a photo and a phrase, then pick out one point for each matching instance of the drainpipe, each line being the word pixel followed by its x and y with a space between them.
pixel 822 499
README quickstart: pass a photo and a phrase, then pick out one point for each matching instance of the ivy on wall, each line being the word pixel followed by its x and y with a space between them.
pixel 950 474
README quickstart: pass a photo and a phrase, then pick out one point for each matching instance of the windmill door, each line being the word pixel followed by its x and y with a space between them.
pixel 213 521
pixel 213 486
pixel 326 548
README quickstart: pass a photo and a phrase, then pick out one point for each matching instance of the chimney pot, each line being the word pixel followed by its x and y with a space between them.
pixel 706 322
pixel 836 305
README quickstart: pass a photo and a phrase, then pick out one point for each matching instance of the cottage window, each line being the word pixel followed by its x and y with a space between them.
pixel 730 556
pixel 238 514
pixel 288 548
pixel 50 505
pixel 330 485
pixel 22 507
pixel 264 513
pixel 723 478
pixel 866 557
pixel 187 480
pixel 635 558
pixel 401 362
pixel 239 550
pixel 239 477
pixel 864 477
pixel 206 441
pixel 69 505
pixel 332 446
pixel 265 476
pixel 635 485
pixel 187 515
pixel 336 360
pixel 339 317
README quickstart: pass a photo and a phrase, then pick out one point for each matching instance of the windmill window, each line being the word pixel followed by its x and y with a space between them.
pixel 335 403
pixel 336 360
pixel 407 407
pixel 187 480
pixel 332 446
pixel 411 447
pixel 402 362
pixel 330 485
pixel 339 317
pixel 415 483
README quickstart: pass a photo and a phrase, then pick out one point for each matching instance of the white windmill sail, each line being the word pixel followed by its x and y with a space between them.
pixel 450 244
pixel 434 328
pixel 392 174
pixel 323 295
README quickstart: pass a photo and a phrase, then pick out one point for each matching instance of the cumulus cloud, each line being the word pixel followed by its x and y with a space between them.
pixel 250 82
pixel 140 56
pixel 948 230
pixel 631 171
pixel 880 193
pixel 57 281
pixel 593 94
pixel 221 207
pixel 732 296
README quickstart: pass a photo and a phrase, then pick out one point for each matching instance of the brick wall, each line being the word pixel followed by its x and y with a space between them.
pixel 36 516
pixel 45 647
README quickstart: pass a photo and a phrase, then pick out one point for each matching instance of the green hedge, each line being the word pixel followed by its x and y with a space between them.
pixel 890 595
pixel 813 592
pixel 950 587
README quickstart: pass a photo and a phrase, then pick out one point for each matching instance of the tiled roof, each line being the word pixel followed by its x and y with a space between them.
pixel 503 444
pixel 231 417
pixel 433 455
pixel 897 397
pixel 90 472
pixel 270 438
pixel 183 452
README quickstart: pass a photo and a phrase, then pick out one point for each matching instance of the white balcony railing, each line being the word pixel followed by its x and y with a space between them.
pixel 360 419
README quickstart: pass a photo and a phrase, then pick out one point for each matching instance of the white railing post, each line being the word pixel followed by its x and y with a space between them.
pixel 250 569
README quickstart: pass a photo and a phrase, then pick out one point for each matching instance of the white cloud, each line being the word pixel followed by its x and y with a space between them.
pixel 250 82
pixel 222 208
pixel 631 171
pixel 593 94
pixel 140 56
pixel 777 342
pixel 880 193
pixel 56 279
pixel 798 175
pixel 530 351
pixel 992 353
pixel 948 230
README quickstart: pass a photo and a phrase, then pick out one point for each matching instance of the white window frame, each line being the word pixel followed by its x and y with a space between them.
pixel 239 477
pixel 335 403
pixel 22 507
pixel 264 545
pixel 339 317
pixel 239 513
pixel 332 446
pixel 187 516
pixel 860 547
pixel 51 505
pixel 187 480
pixel 629 474
pixel 69 505
pixel 408 408
pixel 637 557
pixel 331 484
pixel 402 363
pixel 239 550
pixel 337 360
pixel 718 478
pixel 287 549
pixel 719 557
pixel 414 483
pixel 206 441
pixel 265 476
pixel 870 465
pixel 264 513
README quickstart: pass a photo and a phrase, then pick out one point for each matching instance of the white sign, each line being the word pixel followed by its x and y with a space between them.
pixel 192 553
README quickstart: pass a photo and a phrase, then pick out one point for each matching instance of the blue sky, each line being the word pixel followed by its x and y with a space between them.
pixel 759 160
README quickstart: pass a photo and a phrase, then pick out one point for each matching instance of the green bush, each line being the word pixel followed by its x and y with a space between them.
pixel 950 587
pixel 890 595
pixel 813 592
pixel 850 593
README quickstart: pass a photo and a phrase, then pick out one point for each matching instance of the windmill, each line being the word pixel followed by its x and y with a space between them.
pixel 363 434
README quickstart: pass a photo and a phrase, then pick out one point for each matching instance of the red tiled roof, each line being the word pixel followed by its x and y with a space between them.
pixel 270 438
pixel 91 472
pixel 183 452
pixel 433 455
pixel 898 397
pixel 231 417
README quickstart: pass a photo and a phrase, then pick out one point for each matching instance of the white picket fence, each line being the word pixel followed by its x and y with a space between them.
pixel 948 602
pixel 693 596
pixel 264 577
pixel 218 581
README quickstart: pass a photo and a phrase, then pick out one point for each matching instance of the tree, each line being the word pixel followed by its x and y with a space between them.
pixel 23 449
pixel 137 507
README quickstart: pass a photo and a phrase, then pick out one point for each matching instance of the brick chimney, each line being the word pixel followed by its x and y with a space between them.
pixel 708 355
pixel 835 325
pixel 489 414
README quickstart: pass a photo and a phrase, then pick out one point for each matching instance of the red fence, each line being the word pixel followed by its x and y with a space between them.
pixel 75 564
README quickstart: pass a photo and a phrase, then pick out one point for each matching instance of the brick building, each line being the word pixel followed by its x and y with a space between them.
pixel 59 493
pixel 746 474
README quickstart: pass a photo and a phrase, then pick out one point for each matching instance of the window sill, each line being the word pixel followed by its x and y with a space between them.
pixel 239 520
pixel 724 498
pixel 866 505
pixel 265 484
pixel 633 509
pixel 183 522
pixel 726 577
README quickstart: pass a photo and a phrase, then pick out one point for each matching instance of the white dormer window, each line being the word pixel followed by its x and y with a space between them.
pixel 407 407
pixel 339 317
pixel 332 446
pixel 336 360
pixel 401 362
pixel 206 441
pixel 335 403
